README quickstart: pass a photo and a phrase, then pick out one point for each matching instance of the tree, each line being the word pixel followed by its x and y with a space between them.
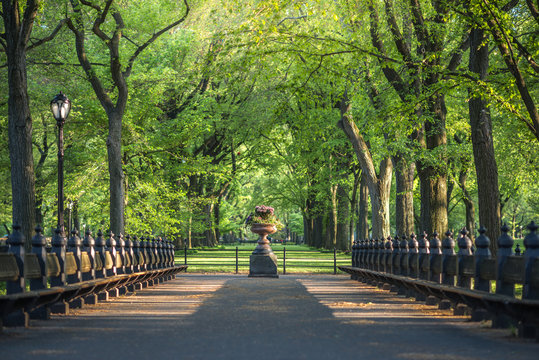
pixel 113 99
pixel 18 21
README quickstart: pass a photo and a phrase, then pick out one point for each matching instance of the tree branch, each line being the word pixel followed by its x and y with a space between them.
pixel 29 16
pixel 101 94
pixel 291 18
pixel 141 48
pixel 92 5
pixel 50 37
pixel 30 61
pixel 526 54
pixel 456 58
pixel 402 47
pixel 533 10
pixel 100 20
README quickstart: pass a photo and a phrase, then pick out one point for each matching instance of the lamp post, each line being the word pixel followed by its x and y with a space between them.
pixel 60 107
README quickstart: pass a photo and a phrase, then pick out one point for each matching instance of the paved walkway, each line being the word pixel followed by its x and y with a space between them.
pixel 235 317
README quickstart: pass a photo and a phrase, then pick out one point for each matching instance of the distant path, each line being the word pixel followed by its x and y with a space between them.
pixel 234 317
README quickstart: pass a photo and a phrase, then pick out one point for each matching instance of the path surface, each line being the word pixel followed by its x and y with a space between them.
pixel 235 317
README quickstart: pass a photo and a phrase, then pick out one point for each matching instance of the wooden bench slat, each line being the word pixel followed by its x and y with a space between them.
pixel 513 270
pixel 467 265
pixel 85 264
pixel 535 273
pixel 119 263
pixel 32 269
pixel 71 264
pixel 450 265
pixel 53 265
pixel 436 263
pixel 487 269
pixel 108 260
pixel 98 262
pixel 9 271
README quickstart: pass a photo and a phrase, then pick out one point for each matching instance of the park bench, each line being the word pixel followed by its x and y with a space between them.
pixel 70 277
pixel 432 271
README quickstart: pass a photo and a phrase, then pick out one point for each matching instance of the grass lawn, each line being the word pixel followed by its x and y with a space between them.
pixel 299 259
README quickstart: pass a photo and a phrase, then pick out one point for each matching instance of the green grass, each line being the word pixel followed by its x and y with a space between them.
pixel 223 259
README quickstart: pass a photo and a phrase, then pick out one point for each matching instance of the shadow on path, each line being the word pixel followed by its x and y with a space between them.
pixel 235 317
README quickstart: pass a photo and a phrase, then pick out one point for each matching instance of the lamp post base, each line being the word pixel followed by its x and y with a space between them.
pixel 263 265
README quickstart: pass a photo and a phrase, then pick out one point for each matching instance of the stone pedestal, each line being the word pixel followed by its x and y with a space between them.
pixel 264 265
pixel 263 262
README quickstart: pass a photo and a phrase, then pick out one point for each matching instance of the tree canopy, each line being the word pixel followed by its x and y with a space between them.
pixel 352 118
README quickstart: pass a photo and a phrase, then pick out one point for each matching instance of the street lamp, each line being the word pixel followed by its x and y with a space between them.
pixel 60 107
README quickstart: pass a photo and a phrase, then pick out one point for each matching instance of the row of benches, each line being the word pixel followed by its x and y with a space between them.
pixel 432 268
pixel 77 271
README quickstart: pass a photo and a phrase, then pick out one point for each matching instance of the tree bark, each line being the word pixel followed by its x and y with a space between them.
pixel 468 203
pixel 317 231
pixel 433 179
pixel 17 30
pixel 116 174
pixel 343 218
pixel 363 210
pixel 483 146
pixel 404 207
pixel 379 186
pixel 331 225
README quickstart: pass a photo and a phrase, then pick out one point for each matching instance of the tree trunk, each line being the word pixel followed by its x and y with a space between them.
pixel 190 231
pixel 468 203
pixel 331 226
pixel 343 218
pixel 116 174
pixel 433 179
pixel 404 210
pixel 317 231
pixel 379 185
pixel 17 32
pixel 483 147
pixel 217 219
pixel 307 230
pixel 363 210
pixel 209 233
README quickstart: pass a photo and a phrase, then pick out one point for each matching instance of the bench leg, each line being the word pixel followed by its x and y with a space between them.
pixel 76 304
pixel 60 307
pixel 91 299
pixel 17 318
pixel 42 313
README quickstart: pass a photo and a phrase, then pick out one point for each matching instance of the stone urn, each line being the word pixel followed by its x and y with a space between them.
pixel 263 262
pixel 263 230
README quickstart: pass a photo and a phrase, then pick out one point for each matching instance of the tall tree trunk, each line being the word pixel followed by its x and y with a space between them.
pixel 307 230
pixel 404 210
pixel 363 210
pixel 433 179
pixel 379 185
pixel 217 218
pixel 17 30
pixel 190 231
pixel 483 147
pixel 468 203
pixel 317 231
pixel 209 234
pixel 331 225
pixel 116 174
pixel 343 218
pixel 354 202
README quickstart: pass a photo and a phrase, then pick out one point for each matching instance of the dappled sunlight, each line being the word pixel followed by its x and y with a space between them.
pixel 351 300
pixel 181 297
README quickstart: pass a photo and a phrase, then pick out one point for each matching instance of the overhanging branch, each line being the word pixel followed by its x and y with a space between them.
pixel 141 48
pixel 48 38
